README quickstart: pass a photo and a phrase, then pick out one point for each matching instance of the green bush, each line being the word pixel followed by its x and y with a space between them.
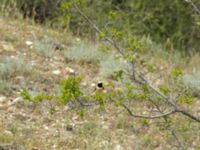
pixel 40 10
pixel 192 81
pixel 174 21
pixel 112 65
pixel 69 91
pixel 44 47
pixel 9 67
pixel 84 53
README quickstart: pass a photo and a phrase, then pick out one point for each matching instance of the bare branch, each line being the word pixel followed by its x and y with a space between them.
pixel 147 117
pixel 97 29
pixel 194 6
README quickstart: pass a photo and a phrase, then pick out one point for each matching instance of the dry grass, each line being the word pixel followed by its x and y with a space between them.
pixel 33 127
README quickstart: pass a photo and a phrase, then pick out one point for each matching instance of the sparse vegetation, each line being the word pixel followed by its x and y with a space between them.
pixel 9 67
pixel 5 86
pixel 44 47
pixel 192 81
pixel 112 65
pixel 84 53
pixel 131 93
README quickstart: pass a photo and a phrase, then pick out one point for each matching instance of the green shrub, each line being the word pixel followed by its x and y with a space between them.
pixel 110 65
pixel 84 53
pixel 5 86
pixel 174 21
pixel 40 10
pixel 171 20
pixel 9 67
pixel 192 81
pixel 44 47
pixel 70 90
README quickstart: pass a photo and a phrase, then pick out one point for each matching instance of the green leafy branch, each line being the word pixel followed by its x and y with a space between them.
pixel 137 76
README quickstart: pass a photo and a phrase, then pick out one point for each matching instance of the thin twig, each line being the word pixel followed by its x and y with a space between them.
pixel 194 6
pixel 97 29
pixel 147 117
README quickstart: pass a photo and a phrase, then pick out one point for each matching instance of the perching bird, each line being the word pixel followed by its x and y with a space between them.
pixel 100 87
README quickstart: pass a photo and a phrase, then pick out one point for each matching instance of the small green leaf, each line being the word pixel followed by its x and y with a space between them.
pixel 66 5
pixel 187 100
pixel 164 90
pixel 198 23
pixel 118 75
pixel 81 113
pixel 144 122
pixel 150 68
pixel 104 48
pixel 102 35
pixel 25 95
pixel 176 72
pixel 118 103
pixel 38 98
pixel 112 14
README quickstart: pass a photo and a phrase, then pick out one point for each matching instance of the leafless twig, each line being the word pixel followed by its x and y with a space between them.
pixel 148 117
pixel 197 10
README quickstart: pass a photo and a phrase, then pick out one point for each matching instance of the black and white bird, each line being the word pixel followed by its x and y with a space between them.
pixel 100 87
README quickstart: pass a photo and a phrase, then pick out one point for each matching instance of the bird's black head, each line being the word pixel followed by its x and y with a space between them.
pixel 100 85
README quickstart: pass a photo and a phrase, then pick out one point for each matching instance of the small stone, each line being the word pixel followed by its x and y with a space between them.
pixel 93 85
pixel 46 127
pixel 56 72
pixel 78 40
pixel 12 57
pixel 144 113
pixel 2 99
pixel 29 43
pixel 118 147
pixel 84 84
pixel 70 71
pixel 8 47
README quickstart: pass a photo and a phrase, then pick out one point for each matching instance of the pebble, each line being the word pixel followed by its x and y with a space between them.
pixel 56 72
pixel 70 71
pixel 29 43
pixel 84 84
pixel 2 99
pixel 118 147
pixel 93 85
pixel 8 47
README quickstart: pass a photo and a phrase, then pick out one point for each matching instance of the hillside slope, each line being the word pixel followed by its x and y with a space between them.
pixel 37 59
